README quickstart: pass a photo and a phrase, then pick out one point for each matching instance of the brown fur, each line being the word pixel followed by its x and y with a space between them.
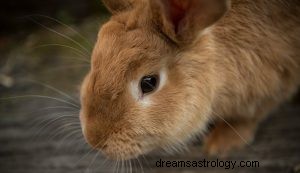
pixel 233 70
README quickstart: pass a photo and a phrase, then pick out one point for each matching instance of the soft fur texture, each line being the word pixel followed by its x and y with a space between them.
pixel 227 62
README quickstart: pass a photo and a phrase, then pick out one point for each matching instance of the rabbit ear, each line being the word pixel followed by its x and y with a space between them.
pixel 115 6
pixel 182 20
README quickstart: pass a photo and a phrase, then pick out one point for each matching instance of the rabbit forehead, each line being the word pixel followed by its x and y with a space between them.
pixel 118 47
pixel 120 54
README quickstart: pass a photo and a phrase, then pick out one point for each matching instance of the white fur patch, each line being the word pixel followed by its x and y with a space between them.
pixel 145 101
pixel 134 90
pixel 163 79
pixel 204 32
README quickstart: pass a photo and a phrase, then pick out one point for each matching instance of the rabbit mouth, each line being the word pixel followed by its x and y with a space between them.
pixel 118 145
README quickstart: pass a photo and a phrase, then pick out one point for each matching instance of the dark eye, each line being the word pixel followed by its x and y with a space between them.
pixel 149 83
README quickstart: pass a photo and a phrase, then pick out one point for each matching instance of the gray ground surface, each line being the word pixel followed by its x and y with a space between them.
pixel 26 147
pixel 42 135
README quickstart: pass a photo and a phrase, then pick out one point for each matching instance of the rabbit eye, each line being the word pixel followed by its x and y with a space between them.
pixel 149 83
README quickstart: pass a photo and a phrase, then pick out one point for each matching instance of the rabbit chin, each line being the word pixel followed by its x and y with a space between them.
pixel 122 147
pixel 125 150
pixel 125 146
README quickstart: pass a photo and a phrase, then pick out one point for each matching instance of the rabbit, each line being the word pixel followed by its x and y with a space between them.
pixel 163 70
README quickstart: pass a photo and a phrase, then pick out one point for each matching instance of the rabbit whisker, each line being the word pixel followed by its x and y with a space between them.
pixel 235 131
pixel 67 67
pixel 63 129
pixel 91 163
pixel 141 165
pixel 41 97
pixel 75 50
pixel 72 134
pixel 52 121
pixel 55 89
pixel 90 150
pixel 65 25
pixel 60 34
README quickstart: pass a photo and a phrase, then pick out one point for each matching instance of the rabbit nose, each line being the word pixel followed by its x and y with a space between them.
pixel 96 133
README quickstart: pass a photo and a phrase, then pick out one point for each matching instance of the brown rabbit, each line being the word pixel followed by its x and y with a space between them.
pixel 162 70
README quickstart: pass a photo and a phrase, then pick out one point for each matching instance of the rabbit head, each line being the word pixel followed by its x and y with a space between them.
pixel 143 90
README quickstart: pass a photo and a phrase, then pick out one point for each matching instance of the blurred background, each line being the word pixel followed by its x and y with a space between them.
pixel 45 49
